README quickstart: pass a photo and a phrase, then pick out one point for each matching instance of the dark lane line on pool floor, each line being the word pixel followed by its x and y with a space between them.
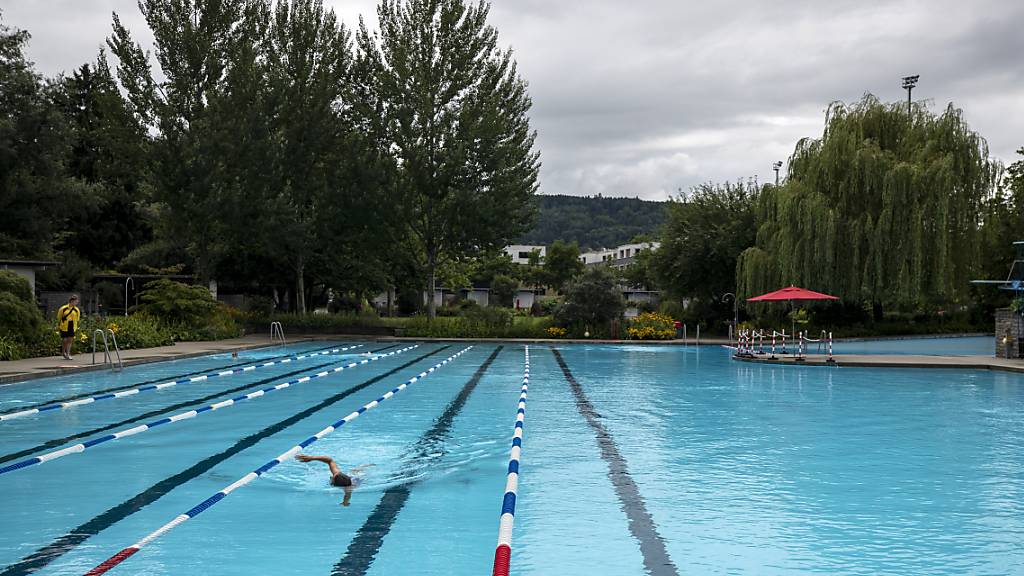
pixel 56 442
pixel 641 524
pixel 368 539
pixel 159 380
pixel 64 544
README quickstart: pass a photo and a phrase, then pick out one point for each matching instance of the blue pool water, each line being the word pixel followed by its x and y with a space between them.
pixel 735 468
pixel 954 346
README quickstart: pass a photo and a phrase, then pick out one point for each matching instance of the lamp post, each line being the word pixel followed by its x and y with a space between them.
pixel 129 279
pixel 735 312
pixel 908 84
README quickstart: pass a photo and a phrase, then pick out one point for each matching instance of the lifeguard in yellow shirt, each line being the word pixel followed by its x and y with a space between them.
pixel 67 322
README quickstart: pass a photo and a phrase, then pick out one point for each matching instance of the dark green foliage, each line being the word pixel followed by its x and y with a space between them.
pixel 883 208
pixel 562 264
pixel 593 222
pixel 108 152
pixel 36 195
pixel 591 303
pixel 503 290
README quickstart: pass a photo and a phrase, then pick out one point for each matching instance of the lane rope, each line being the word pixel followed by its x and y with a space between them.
pixel 82 446
pixel 503 552
pixel 126 553
pixel 161 386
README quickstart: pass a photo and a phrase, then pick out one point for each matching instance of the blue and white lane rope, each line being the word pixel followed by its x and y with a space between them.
pixel 124 554
pixel 81 447
pixel 503 551
pixel 161 386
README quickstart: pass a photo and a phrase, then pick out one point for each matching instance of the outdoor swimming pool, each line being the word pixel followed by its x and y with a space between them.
pixel 636 460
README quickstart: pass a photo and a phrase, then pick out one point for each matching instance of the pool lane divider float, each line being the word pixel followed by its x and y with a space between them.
pixel 161 386
pixel 81 447
pixel 236 364
pixel 503 552
pixel 126 553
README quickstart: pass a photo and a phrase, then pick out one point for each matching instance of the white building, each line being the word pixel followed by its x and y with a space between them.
pixel 520 253
pixel 618 257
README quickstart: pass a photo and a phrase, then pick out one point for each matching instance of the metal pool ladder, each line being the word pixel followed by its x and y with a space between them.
pixel 276 332
pixel 107 358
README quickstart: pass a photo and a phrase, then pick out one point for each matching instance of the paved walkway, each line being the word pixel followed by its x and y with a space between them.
pixel 897 361
pixel 29 368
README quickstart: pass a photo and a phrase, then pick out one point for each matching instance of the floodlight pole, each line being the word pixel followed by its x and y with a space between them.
pixel 777 165
pixel 908 83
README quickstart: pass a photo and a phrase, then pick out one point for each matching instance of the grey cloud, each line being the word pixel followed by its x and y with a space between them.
pixel 647 97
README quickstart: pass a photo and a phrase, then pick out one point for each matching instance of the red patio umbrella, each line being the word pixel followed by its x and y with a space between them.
pixel 791 294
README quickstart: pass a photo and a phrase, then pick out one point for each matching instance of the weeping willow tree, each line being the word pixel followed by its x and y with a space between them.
pixel 884 208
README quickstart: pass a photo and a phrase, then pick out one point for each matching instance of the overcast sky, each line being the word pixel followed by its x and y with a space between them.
pixel 646 97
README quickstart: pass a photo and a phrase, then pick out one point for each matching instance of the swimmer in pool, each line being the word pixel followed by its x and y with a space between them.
pixel 347 482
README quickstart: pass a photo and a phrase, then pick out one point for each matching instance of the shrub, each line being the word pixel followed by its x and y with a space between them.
pixel 177 303
pixel 19 319
pixel 15 285
pixel 672 309
pixel 11 349
pixel 651 326
pixel 556 332
pixel 190 313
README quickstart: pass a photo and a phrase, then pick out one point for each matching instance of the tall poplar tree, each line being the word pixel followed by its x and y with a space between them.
pixel 453 110
pixel 884 208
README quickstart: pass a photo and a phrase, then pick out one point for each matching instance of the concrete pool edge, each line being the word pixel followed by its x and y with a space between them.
pixel 895 361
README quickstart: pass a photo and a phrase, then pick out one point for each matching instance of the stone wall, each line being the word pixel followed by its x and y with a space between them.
pixel 1009 334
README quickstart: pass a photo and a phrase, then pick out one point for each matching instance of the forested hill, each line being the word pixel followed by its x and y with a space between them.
pixel 593 222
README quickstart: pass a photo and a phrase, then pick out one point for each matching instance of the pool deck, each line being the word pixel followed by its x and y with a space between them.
pixel 894 361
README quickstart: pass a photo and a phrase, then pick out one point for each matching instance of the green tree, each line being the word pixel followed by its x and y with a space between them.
pixel 591 302
pixel 641 271
pixel 193 42
pixel 884 208
pixel 454 110
pixel 35 193
pixel 562 264
pixel 108 152
pixel 705 232
pixel 503 290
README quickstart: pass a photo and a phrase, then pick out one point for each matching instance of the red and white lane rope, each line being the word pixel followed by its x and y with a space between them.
pixel 123 555
pixel 83 446
pixel 161 386
pixel 503 552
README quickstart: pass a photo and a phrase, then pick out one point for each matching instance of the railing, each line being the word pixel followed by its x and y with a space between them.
pixel 750 343
pixel 107 358
pixel 276 332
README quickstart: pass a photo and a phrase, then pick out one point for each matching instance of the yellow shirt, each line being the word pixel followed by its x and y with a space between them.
pixel 66 315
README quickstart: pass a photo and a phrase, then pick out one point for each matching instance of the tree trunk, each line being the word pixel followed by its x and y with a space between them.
pixel 431 280
pixel 300 287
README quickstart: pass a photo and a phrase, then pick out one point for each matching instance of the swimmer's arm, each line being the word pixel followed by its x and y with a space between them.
pixel 348 496
pixel 360 468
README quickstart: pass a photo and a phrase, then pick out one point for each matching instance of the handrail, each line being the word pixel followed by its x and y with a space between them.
pixel 107 358
pixel 276 332
pixel 117 350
